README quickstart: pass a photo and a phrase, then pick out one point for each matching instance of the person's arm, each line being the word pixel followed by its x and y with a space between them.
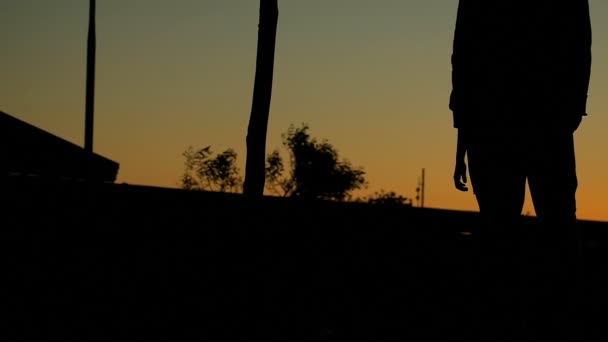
pixel 463 63
pixel 461 71
pixel 584 57
pixel 579 55
pixel 460 169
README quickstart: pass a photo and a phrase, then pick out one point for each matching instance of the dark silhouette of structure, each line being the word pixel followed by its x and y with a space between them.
pixel 520 72
pixel 262 94
pixel 29 150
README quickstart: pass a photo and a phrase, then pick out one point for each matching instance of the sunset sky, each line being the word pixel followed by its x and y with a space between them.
pixel 371 76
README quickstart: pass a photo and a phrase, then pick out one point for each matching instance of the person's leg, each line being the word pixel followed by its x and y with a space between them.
pixel 553 181
pixel 498 181
pixel 555 253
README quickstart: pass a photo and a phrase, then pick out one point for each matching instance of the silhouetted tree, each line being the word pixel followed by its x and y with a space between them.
pixel 388 198
pixel 204 172
pixel 262 93
pixel 276 182
pixel 316 171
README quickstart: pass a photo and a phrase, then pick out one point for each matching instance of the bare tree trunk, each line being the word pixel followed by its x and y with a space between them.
pixel 90 93
pixel 262 94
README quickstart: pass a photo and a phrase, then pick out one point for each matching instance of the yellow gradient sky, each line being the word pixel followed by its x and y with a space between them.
pixel 371 76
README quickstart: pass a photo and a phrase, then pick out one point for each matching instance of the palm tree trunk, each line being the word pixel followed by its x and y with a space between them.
pixel 262 93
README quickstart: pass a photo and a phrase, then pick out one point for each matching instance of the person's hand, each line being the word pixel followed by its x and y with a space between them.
pixel 460 176
pixel 460 171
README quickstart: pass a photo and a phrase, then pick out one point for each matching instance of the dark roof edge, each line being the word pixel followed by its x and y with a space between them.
pixel 42 131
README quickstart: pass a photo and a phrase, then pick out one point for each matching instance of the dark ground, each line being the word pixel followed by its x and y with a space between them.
pixel 147 264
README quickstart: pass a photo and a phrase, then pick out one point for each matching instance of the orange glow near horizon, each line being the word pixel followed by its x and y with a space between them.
pixel 374 81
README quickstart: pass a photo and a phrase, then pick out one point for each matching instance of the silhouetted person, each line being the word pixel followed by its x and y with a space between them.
pixel 520 77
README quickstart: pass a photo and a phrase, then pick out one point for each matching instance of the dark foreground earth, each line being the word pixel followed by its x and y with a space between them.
pixel 108 262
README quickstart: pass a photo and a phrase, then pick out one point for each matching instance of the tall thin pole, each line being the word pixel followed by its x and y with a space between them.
pixel 418 193
pixel 262 94
pixel 90 90
pixel 422 191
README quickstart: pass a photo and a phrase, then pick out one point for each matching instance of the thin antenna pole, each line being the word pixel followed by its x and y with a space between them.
pixel 422 192
pixel 418 188
pixel 90 82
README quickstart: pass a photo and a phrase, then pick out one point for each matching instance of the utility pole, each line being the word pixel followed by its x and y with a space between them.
pixel 418 188
pixel 422 191
pixel 90 82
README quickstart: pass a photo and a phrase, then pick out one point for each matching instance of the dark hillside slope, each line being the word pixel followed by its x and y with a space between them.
pixel 165 264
